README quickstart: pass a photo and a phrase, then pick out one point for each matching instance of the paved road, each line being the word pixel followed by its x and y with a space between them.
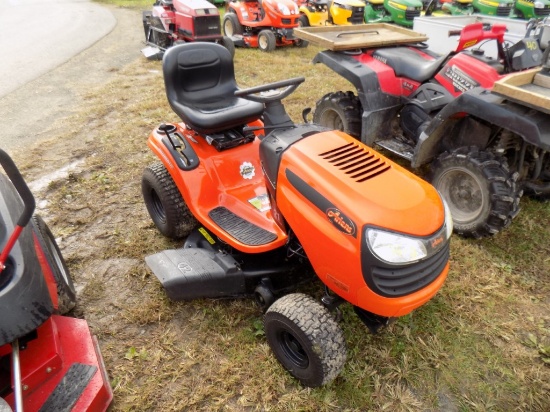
pixel 51 52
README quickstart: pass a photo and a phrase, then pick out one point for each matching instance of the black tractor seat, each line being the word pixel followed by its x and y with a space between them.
pixel 200 86
pixel 408 63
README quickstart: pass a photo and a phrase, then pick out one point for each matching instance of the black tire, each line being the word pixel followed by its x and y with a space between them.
pixel 305 339
pixel 160 39
pixel 479 188
pixel 303 21
pixel 228 44
pixel 231 25
pixel 267 41
pixel 301 43
pixel 339 111
pixel 165 204
pixel 66 293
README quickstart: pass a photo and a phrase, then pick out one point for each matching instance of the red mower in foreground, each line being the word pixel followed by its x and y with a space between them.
pixel 48 362
pixel 264 24
pixel 265 204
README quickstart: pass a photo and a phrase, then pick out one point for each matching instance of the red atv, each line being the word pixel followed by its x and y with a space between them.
pixel 265 203
pixel 402 94
pixel 177 21
pixel 264 24
pixel 48 362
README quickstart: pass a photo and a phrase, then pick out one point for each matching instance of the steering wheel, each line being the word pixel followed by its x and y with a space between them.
pixel 288 87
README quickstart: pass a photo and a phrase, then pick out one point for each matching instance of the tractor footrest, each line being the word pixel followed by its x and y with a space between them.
pixel 242 230
pixel 399 148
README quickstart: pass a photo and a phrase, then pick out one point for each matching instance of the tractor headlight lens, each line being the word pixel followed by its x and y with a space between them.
pixel 398 248
pixel 539 5
pixel 283 9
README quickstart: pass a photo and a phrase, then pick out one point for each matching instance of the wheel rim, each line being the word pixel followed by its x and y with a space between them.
pixel 332 120
pixel 464 193
pixel 228 28
pixel 262 42
pixel 157 207
pixel 293 349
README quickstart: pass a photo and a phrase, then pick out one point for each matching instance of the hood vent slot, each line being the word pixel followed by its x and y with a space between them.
pixel 356 161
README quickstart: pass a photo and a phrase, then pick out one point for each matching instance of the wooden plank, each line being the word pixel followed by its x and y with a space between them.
pixel 519 88
pixel 358 36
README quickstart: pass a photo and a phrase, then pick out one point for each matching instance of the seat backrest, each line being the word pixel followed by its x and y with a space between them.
pixel 198 72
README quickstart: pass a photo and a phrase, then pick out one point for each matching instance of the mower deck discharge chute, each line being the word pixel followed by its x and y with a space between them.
pixel 265 204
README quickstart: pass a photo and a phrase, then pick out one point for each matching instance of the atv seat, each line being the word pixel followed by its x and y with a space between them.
pixel 200 86
pixel 408 63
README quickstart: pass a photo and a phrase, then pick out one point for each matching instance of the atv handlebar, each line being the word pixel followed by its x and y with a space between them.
pixel 290 85
pixel 21 186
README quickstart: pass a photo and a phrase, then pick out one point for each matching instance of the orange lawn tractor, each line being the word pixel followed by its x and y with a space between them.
pixel 265 24
pixel 265 204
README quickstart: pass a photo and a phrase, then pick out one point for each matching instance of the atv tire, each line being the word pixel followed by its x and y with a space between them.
pixel 305 339
pixel 66 293
pixel 162 40
pixel 231 25
pixel 479 189
pixel 164 203
pixel 339 111
pixel 267 41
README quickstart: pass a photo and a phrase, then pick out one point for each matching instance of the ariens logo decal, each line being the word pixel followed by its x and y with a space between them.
pixel 341 221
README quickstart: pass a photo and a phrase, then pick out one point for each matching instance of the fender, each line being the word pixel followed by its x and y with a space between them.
pixel 533 126
pixel 377 105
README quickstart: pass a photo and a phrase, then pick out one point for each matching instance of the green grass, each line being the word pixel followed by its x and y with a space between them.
pixel 480 345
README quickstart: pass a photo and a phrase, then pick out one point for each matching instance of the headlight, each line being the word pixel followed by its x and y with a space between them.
pixel 539 5
pixel 411 8
pixel 397 248
pixel 283 9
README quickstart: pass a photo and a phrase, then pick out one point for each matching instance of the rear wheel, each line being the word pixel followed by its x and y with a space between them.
pixel 267 41
pixel 305 339
pixel 228 44
pixel 480 190
pixel 66 293
pixel 231 25
pixel 160 39
pixel 339 111
pixel 164 203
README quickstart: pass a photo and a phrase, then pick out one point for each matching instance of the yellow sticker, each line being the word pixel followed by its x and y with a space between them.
pixel 207 236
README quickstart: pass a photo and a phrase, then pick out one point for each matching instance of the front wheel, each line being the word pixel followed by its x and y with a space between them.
pixel 480 190
pixel 164 203
pixel 267 41
pixel 339 111
pixel 66 293
pixel 305 339
pixel 228 44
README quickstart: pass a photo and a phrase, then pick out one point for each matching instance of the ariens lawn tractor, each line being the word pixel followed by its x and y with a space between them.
pixel 48 362
pixel 264 204
pixel 266 24
pixel 178 21
pixel 324 12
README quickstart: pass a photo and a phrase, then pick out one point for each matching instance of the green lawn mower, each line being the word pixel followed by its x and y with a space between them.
pixel 401 12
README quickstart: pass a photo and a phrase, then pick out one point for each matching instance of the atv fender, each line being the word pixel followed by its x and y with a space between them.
pixel 379 108
pixel 532 125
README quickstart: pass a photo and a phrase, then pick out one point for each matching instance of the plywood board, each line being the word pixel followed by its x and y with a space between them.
pixel 358 36
pixel 519 87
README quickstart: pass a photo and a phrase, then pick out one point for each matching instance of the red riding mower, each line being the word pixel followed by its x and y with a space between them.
pixel 177 21
pixel 48 362
pixel 264 24
pixel 265 204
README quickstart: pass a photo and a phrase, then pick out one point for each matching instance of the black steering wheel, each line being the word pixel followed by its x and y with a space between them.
pixel 288 87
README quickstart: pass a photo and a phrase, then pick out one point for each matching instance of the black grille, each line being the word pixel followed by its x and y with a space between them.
pixel 356 161
pixel 411 14
pixel 503 11
pixel 286 21
pixel 207 26
pixel 357 15
pixel 401 281
pixel 542 12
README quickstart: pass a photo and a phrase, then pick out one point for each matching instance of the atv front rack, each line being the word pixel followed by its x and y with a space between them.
pixel 359 36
